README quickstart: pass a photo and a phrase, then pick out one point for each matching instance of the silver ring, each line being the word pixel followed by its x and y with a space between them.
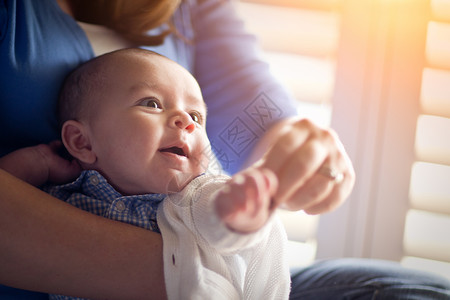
pixel 332 174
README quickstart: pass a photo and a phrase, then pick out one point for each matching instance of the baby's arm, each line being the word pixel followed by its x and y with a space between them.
pixel 245 203
pixel 40 164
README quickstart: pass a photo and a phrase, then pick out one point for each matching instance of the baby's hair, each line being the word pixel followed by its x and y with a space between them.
pixel 82 85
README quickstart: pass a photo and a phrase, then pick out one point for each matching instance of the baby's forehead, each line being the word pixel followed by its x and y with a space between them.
pixel 147 60
pixel 140 71
pixel 143 56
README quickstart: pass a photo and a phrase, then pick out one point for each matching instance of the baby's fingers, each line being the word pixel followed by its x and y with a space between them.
pixel 245 204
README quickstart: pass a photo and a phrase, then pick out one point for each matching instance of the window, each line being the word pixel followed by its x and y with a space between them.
pixel 392 78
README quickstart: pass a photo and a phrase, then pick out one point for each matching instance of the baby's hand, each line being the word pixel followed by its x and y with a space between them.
pixel 245 203
pixel 40 164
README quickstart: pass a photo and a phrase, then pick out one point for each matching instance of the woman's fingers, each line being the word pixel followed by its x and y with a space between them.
pixel 311 193
pixel 60 170
pixel 312 167
pixel 335 198
pixel 291 139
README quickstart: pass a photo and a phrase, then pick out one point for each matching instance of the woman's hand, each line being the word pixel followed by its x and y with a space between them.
pixel 40 164
pixel 313 169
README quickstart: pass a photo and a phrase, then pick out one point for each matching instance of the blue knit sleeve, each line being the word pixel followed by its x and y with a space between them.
pixel 39 46
pixel 2 19
pixel 242 96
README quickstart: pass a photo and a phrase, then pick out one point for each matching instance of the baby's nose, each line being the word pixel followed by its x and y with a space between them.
pixel 182 120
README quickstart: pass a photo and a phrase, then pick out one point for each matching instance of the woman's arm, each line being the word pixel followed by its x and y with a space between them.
pixel 50 246
pixel 249 111
pixel 244 99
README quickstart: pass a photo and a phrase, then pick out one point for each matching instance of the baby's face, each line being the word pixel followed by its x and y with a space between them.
pixel 148 126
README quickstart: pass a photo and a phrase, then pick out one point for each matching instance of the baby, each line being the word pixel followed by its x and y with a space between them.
pixel 135 123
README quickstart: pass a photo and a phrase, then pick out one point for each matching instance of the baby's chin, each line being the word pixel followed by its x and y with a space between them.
pixel 179 182
pixel 172 183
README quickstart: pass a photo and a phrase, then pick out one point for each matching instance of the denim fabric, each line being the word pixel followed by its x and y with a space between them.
pixel 9 293
pixel 366 279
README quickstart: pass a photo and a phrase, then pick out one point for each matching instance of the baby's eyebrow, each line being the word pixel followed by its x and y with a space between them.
pixel 205 108
pixel 141 85
pixel 200 103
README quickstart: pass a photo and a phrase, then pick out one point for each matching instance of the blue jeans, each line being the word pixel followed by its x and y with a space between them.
pixel 366 279
pixel 342 279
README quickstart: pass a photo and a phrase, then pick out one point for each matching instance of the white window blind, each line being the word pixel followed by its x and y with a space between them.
pixel 299 39
pixel 427 226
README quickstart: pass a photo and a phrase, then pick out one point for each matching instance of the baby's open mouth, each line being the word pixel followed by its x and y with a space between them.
pixel 175 150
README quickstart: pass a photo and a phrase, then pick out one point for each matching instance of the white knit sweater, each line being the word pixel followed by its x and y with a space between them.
pixel 203 259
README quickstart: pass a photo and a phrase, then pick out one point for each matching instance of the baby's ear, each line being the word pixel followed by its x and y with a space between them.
pixel 77 142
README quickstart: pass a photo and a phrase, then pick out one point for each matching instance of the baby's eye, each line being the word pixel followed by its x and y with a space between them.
pixel 196 117
pixel 151 102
